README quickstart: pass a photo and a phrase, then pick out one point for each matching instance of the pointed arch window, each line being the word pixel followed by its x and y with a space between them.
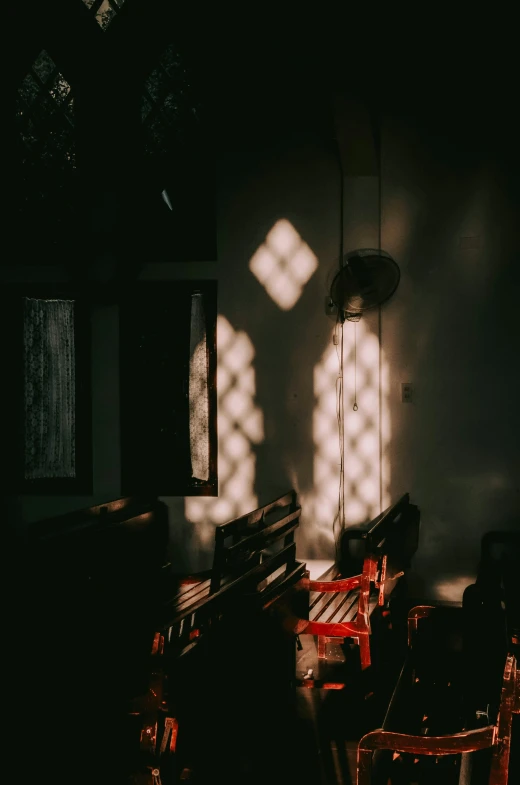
pixel 45 114
pixel 170 108
pixel 46 136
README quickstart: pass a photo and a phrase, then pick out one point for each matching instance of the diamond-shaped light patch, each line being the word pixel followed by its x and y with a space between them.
pixel 283 264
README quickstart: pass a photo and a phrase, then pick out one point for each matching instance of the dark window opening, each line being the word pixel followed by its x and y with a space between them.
pixel 168 388
pixel 45 126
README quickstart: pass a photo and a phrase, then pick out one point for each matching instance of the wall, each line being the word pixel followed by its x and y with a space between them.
pixel 448 218
pixel 450 329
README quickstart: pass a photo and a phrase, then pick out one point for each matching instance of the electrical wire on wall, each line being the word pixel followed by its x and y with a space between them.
pixel 340 515
pixel 377 138
pixel 338 342
pixel 366 279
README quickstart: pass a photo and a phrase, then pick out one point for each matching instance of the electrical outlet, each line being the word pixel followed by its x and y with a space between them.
pixel 406 392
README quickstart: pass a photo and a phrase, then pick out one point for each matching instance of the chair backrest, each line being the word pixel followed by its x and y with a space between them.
pixel 491 620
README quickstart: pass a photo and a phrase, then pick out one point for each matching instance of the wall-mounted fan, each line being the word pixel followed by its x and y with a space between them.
pixel 366 279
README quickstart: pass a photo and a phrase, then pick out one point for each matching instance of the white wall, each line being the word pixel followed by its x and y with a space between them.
pixel 450 329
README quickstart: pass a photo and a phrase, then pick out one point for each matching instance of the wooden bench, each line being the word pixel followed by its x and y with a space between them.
pixel 457 691
pixel 85 620
pixel 341 603
pixel 101 543
pixel 254 564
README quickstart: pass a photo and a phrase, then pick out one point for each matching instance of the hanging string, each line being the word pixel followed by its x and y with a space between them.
pixel 340 515
pixel 338 342
pixel 355 407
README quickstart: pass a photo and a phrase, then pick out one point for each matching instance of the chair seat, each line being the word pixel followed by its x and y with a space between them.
pixel 338 607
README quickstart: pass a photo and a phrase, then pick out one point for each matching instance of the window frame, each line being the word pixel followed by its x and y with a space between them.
pixel 130 474
pixel 12 321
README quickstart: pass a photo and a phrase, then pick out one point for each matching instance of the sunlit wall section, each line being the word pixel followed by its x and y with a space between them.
pixel 366 381
pixel 321 503
pixel 240 426
pixel 366 467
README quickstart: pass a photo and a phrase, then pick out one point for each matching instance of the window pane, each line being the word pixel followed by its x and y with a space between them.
pixel 198 391
pixel 49 389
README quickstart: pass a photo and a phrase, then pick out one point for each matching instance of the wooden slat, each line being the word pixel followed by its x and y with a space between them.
pixel 330 608
pixel 343 609
pixel 275 590
pixel 266 536
pixel 246 521
pixel 194 593
pixel 227 590
pixel 319 604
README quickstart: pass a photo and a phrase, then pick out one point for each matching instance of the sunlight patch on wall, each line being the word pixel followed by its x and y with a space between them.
pixel 322 502
pixel 361 434
pixel 240 425
pixel 453 589
pixel 362 458
pixel 283 264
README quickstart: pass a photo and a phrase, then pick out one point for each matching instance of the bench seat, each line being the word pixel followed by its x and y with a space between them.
pixel 201 615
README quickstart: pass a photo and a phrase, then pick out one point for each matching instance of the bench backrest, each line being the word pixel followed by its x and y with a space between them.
pixel 259 543
pixel 254 560
pixel 394 534
pixel 88 612
pixel 101 543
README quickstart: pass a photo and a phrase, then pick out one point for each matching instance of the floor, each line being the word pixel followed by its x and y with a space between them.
pixel 314 740
pixel 311 740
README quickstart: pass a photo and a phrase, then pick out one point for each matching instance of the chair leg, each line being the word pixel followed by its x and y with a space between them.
pixel 322 647
pixel 364 767
pixel 364 651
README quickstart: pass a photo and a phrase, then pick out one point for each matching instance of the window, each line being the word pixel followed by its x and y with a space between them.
pixel 179 156
pixel 46 157
pixel 168 388
pixel 89 178
pixel 45 344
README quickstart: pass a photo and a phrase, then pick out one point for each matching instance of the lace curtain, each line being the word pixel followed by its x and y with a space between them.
pixel 49 389
pixel 198 391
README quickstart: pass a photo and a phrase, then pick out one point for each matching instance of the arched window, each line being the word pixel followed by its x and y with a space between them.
pixel 114 169
pixel 46 147
pixel 170 106
pixel 179 156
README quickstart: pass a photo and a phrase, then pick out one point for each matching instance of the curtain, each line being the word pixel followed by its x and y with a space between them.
pixel 49 389
pixel 198 391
